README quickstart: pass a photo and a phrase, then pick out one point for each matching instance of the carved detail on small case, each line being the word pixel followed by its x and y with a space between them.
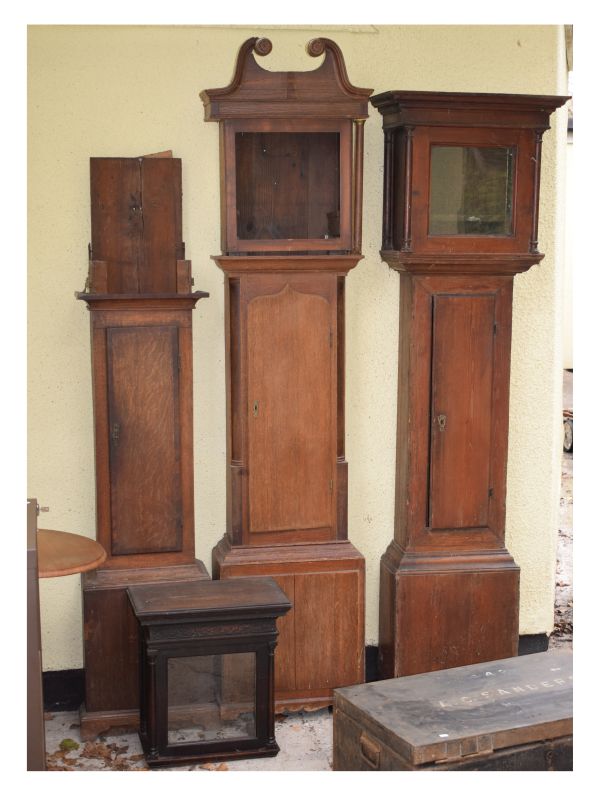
pixel 190 631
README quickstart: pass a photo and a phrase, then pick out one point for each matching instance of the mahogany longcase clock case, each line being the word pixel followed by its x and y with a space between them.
pixel 460 218
pixel 291 195
pixel 140 298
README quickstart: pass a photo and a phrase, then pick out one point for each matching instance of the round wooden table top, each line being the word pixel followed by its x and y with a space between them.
pixel 62 553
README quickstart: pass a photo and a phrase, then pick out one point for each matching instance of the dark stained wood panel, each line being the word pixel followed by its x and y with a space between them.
pixel 461 410
pixel 111 634
pixel 324 186
pixel 271 186
pixel 161 210
pixel 287 184
pixel 136 223
pixel 232 621
pixel 145 477
pixel 205 600
pixel 117 220
pixel 291 427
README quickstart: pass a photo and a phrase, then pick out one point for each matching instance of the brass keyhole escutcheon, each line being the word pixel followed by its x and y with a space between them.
pixel 441 419
pixel 255 409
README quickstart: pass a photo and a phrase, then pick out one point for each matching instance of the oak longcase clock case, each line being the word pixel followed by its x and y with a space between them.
pixel 291 195
pixel 139 294
pixel 460 218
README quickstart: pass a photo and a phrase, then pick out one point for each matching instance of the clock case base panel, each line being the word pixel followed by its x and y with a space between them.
pixel 111 644
pixel 462 609
pixel 321 640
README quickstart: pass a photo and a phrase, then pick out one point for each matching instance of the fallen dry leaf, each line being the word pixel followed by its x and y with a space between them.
pixel 60 754
pixel 96 751
pixel 118 750
pixel 53 767
pixel 58 761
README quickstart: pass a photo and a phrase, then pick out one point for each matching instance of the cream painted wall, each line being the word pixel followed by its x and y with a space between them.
pixel 127 91
pixel 569 258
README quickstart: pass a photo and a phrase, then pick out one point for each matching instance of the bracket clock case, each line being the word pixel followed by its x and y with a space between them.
pixel 291 195
pixel 460 218
pixel 140 298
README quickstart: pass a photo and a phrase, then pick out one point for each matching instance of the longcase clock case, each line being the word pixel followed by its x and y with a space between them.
pixel 460 218
pixel 140 299
pixel 291 192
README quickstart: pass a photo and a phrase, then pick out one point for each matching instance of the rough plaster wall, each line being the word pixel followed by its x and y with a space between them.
pixel 128 91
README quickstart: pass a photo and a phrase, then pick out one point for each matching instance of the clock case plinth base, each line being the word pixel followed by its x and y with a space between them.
pixel 111 644
pixel 321 640
pixel 464 609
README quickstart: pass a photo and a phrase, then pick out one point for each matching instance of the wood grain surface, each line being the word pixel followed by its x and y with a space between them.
pixel 61 553
pixel 469 710
pixel 140 301
pixel 145 447
pixel 291 454
pixel 291 150
pixel 200 598
pixel 461 410
pixel 449 589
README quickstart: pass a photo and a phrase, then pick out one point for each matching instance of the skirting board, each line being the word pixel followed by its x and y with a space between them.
pixel 65 689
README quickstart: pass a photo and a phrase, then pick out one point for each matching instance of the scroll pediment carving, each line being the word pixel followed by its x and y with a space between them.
pixel 287 93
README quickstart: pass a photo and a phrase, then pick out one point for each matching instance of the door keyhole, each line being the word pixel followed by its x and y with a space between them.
pixel 441 419
pixel 255 409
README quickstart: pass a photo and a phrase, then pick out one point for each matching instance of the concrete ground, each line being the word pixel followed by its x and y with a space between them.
pixel 563 604
pixel 305 739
